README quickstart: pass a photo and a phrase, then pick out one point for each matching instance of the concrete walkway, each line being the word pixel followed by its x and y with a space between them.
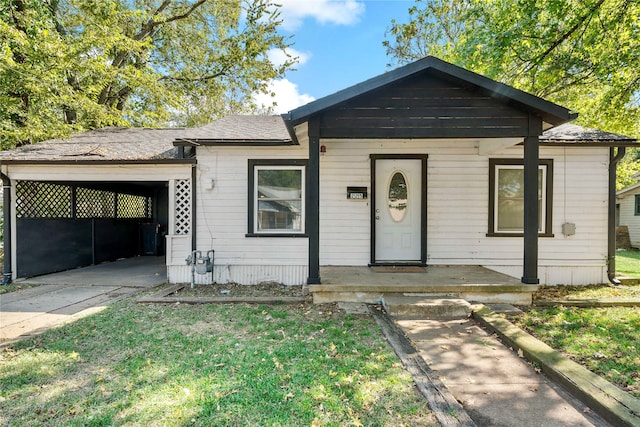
pixel 494 385
pixel 66 296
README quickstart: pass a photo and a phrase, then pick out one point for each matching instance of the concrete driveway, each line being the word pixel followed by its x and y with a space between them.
pixel 66 296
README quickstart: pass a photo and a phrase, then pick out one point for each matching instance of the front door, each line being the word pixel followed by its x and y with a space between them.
pixel 398 210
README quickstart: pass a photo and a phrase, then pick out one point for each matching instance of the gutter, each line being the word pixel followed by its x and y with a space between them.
pixel 6 187
pixel 614 159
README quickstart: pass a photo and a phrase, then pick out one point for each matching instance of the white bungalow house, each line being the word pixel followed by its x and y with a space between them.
pixel 426 165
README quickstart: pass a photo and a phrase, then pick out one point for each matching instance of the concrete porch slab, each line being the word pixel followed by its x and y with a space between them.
pixel 142 271
pixel 473 283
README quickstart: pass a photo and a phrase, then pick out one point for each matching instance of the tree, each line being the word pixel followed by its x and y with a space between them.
pixel 583 54
pixel 69 65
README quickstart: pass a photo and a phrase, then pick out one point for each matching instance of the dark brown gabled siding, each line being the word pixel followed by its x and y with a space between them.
pixel 424 107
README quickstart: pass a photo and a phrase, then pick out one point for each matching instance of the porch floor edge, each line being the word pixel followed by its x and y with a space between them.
pixel 473 283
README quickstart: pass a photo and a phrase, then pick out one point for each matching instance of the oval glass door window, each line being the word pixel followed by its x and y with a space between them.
pixel 397 196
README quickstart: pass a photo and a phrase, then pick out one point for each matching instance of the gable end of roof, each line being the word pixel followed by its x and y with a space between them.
pixel 550 112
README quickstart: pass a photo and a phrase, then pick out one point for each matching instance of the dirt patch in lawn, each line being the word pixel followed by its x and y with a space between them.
pixel 267 289
pixel 264 293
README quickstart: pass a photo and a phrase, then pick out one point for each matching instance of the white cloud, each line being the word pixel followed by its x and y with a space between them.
pixel 340 12
pixel 279 57
pixel 286 97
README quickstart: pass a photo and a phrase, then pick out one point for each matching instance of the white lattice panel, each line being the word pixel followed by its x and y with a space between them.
pixel 183 206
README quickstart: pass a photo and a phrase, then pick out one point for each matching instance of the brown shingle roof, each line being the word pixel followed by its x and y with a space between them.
pixel 248 128
pixel 137 144
pixel 571 133
pixel 102 145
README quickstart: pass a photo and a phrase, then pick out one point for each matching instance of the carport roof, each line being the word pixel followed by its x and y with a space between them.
pixel 108 144
pixel 139 145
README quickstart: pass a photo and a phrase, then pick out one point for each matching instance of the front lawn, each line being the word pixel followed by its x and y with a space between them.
pixel 209 365
pixel 604 340
pixel 628 263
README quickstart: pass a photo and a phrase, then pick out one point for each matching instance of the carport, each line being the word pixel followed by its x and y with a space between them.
pixel 65 225
pixel 95 197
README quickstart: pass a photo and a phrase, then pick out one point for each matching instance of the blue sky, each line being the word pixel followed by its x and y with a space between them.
pixel 339 43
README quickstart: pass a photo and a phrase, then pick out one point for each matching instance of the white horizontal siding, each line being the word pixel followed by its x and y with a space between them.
pixel 457 208
pixel 457 212
pixel 178 248
pixel 222 221
pixel 344 224
pixel 579 274
pixel 243 274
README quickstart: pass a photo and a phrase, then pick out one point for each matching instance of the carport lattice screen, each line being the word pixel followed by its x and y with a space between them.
pixel 183 206
pixel 91 203
pixel 130 206
pixel 42 200
pixel 47 200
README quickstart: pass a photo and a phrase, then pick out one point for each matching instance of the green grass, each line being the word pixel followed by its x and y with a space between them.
pixel 209 365
pixel 12 287
pixel 604 291
pixel 628 263
pixel 604 340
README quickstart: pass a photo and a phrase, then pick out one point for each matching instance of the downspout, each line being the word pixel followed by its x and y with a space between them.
pixel 611 244
pixel 6 202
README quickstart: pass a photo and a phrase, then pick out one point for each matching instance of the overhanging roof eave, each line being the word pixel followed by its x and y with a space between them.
pixel 97 162
pixel 612 143
pixel 624 191
pixel 195 142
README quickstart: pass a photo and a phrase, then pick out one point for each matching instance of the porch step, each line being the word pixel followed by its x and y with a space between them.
pixel 425 307
pixel 373 294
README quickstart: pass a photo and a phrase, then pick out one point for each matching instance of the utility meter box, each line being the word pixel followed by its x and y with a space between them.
pixel 568 229
pixel 201 263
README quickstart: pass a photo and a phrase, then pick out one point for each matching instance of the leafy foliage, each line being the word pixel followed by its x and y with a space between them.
pixel 628 168
pixel 69 65
pixel 584 54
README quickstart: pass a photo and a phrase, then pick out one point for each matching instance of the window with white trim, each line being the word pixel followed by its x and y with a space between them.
pixel 506 194
pixel 277 197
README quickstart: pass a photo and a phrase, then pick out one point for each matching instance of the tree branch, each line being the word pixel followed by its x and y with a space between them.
pixel 186 14
pixel 149 26
pixel 566 35
pixel 195 79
